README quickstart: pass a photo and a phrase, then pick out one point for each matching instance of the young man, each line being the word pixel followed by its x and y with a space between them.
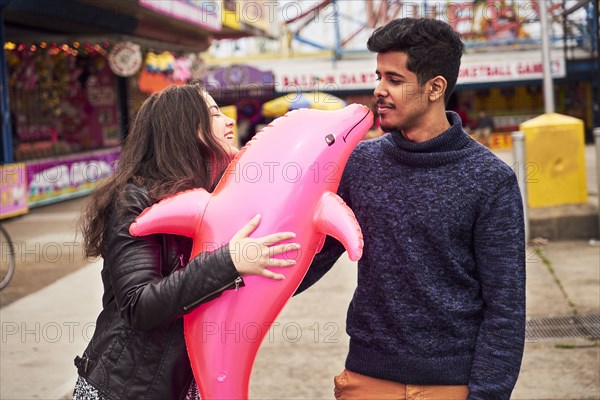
pixel 439 310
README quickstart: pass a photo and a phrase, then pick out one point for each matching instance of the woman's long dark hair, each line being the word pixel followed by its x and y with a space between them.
pixel 170 147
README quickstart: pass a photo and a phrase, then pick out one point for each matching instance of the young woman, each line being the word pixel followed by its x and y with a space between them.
pixel 179 140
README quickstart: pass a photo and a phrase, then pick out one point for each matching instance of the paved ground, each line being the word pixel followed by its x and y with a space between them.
pixel 48 311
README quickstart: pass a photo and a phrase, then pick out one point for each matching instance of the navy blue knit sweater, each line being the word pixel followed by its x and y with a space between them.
pixel 441 285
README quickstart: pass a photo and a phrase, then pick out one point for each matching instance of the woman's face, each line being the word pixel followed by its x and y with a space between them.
pixel 222 126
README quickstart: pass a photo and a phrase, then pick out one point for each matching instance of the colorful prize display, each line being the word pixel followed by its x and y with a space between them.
pixel 289 173
pixel 125 59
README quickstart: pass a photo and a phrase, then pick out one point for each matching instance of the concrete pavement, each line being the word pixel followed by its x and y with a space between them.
pixel 43 331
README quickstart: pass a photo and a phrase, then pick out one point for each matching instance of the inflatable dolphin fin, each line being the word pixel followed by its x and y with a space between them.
pixel 334 218
pixel 172 215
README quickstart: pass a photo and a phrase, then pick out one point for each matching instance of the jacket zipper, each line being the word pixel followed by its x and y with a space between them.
pixel 236 282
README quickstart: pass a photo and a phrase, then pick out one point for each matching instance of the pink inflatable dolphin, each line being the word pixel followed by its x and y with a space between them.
pixel 288 173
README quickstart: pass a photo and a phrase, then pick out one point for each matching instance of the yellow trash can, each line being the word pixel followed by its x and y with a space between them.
pixel 555 154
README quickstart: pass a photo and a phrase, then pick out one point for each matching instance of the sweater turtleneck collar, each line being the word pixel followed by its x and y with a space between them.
pixel 452 145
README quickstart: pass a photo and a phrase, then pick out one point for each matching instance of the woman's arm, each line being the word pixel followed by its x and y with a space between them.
pixel 146 298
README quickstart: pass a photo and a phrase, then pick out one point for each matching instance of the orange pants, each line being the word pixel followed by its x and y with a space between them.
pixel 352 386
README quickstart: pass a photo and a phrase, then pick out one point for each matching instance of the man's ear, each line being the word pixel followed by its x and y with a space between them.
pixel 438 88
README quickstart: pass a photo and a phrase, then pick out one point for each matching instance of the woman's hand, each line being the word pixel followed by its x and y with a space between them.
pixel 252 256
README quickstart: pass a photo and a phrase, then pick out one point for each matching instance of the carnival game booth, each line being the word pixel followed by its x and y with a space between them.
pixel 64 115
pixel 69 68
pixel 71 102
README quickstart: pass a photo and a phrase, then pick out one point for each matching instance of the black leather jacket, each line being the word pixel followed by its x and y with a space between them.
pixel 138 349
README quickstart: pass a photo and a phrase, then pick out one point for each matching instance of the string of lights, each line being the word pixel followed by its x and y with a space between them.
pixel 74 48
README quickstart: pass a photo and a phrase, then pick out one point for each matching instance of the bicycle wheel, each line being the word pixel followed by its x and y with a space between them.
pixel 7 258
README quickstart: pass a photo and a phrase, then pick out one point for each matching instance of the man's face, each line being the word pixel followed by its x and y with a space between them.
pixel 401 101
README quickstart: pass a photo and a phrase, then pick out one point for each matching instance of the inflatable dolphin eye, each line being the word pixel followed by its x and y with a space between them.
pixel 330 139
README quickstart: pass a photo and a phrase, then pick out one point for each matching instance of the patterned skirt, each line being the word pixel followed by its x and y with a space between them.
pixel 84 391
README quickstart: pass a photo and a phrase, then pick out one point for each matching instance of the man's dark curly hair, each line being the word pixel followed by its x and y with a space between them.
pixel 433 47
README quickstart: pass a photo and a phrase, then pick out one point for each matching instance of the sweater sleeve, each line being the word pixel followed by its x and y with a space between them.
pixel 147 299
pixel 322 263
pixel 500 254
